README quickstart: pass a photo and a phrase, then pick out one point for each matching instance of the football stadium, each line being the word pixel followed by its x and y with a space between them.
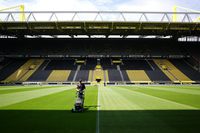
pixel 105 71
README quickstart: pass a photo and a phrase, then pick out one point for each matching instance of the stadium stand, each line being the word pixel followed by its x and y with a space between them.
pixel 80 47
pixel 114 75
pixel 136 61
pixel 58 76
pixel 10 68
pixel 98 74
pixel 125 75
pixel 40 74
pixel 107 64
pixel 110 70
pixel 186 68
pixel 32 68
pixel 156 74
pixel 171 71
pixel 138 76
pixel 83 75
pixel 3 62
pixel 71 76
pixel 106 77
pixel 68 64
pixel 90 77
pixel 90 64
pixel 131 64
pixel 25 71
pixel 164 69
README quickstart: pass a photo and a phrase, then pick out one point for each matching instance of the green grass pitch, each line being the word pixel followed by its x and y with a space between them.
pixel 110 109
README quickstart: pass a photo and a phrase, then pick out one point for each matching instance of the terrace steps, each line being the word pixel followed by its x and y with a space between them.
pixel 58 75
pixel 25 71
pixel 138 76
pixel 172 72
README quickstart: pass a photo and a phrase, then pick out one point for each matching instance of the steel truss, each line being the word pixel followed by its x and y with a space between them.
pixel 99 23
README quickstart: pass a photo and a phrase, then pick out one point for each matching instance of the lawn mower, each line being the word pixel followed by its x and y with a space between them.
pixel 79 103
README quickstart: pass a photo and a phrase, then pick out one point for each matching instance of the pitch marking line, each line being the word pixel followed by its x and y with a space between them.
pixel 98 108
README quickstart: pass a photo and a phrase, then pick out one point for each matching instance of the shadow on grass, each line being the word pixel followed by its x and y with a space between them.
pixel 64 121
pixel 92 107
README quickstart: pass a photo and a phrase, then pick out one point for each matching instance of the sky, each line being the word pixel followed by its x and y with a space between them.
pixel 101 5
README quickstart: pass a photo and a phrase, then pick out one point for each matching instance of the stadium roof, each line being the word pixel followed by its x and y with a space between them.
pixel 99 23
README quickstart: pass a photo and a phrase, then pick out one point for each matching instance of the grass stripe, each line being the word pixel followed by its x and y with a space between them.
pixel 19 87
pixel 63 100
pixel 155 114
pixel 112 100
pixel 152 102
pixel 187 99
pixel 51 114
pixel 8 99
pixel 189 87
pixel 183 90
pixel 7 91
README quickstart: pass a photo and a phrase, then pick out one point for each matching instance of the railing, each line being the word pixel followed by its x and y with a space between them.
pixel 89 83
pixel 118 16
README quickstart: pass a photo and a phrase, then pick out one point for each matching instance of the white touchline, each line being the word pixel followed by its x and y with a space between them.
pixel 98 108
